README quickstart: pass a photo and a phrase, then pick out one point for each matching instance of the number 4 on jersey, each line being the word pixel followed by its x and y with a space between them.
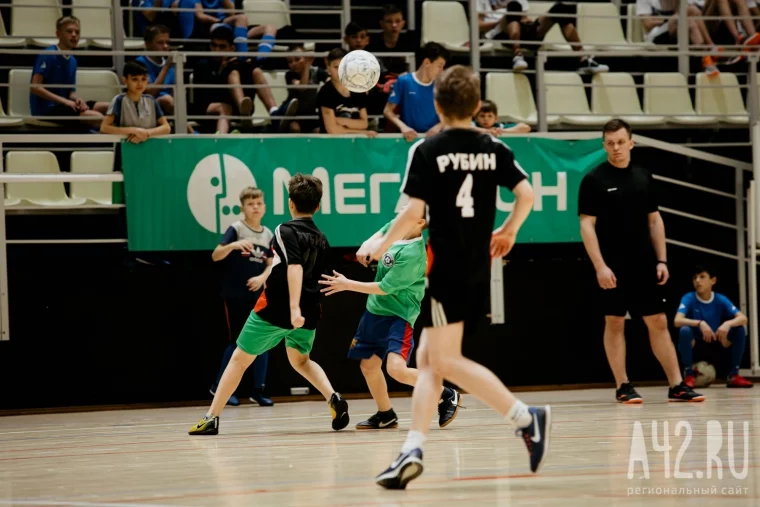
pixel 464 198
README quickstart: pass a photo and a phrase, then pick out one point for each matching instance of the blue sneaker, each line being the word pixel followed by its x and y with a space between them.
pixel 536 436
pixel 407 467
pixel 233 401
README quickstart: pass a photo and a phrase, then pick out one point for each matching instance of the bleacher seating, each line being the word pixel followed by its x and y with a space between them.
pixel 566 101
pixel 9 42
pixel 513 97
pixel 721 96
pixel 268 12
pixel 276 81
pixel 39 194
pixel 96 24
pixel 446 23
pixel 36 24
pixel 673 101
pixel 603 33
pixel 92 162
pixel 614 94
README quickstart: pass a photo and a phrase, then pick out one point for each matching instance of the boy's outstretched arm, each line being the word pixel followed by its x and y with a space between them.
pixel 339 283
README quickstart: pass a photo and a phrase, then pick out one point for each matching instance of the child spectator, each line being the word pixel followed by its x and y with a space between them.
pixel 341 111
pixel 487 121
pixel 413 95
pixel 246 251
pixel 507 20
pixel 139 117
pixel 302 71
pixel 709 316
pixel 355 36
pixel 393 40
pixel 229 71
pixel 60 71
pixel 160 69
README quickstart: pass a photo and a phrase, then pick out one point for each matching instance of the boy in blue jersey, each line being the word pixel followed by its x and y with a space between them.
pixel 160 69
pixel 412 95
pixel 709 316
pixel 60 70
pixel 387 326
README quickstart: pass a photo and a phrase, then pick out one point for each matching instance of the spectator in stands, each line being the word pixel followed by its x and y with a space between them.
pixel 229 71
pixel 709 316
pixel 726 31
pixel 160 69
pixel 413 95
pixel 487 121
pixel 393 40
pixel 506 20
pixel 355 37
pixel 341 111
pixel 301 102
pixel 59 72
pixel 139 117
pixel 246 252
pixel 661 30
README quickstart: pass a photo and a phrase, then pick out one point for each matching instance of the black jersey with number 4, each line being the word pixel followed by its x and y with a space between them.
pixel 457 173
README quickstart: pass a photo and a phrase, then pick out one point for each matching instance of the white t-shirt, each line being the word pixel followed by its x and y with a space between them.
pixel 494 10
pixel 655 7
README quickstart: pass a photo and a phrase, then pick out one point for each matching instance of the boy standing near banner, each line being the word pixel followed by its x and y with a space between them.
pixel 246 249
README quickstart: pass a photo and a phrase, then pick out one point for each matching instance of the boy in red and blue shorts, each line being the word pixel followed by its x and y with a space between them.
pixel 386 329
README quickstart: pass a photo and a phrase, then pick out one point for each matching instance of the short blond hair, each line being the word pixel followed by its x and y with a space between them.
pixel 66 20
pixel 251 193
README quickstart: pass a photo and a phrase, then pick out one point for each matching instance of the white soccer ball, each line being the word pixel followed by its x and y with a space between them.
pixel 704 373
pixel 359 71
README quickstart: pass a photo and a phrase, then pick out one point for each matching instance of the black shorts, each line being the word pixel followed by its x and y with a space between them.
pixel 467 304
pixel 638 294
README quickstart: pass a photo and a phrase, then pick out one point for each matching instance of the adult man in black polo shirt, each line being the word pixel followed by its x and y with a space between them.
pixel 624 236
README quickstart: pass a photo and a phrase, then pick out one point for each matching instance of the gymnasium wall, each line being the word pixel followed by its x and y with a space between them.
pixel 92 326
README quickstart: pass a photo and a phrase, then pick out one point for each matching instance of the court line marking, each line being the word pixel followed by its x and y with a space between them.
pixel 81 504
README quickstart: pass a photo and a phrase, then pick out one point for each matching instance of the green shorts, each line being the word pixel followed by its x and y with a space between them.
pixel 258 336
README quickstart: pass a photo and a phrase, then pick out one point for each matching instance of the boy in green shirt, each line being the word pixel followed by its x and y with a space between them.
pixel 386 329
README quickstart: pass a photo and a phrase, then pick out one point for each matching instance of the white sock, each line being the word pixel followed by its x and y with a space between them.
pixel 273 109
pixel 414 440
pixel 519 416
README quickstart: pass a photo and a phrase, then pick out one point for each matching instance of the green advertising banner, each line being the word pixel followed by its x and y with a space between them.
pixel 182 193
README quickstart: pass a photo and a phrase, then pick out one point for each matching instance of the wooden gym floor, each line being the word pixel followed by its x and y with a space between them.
pixel 288 455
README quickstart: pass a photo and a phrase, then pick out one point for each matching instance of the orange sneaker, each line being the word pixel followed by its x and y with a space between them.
pixel 708 64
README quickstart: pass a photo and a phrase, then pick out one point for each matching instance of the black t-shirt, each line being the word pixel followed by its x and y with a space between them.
pixel 457 173
pixel 393 64
pixel 240 266
pixel 307 99
pixel 621 200
pixel 297 242
pixel 344 107
pixel 211 71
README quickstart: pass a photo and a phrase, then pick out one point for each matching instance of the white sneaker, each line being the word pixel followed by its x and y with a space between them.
pixel 519 64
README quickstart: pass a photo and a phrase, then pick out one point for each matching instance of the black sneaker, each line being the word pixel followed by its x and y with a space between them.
pixel 206 426
pixel 379 421
pixel 407 467
pixel 536 436
pixel 628 395
pixel 591 66
pixel 448 407
pixel 339 409
pixel 682 392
